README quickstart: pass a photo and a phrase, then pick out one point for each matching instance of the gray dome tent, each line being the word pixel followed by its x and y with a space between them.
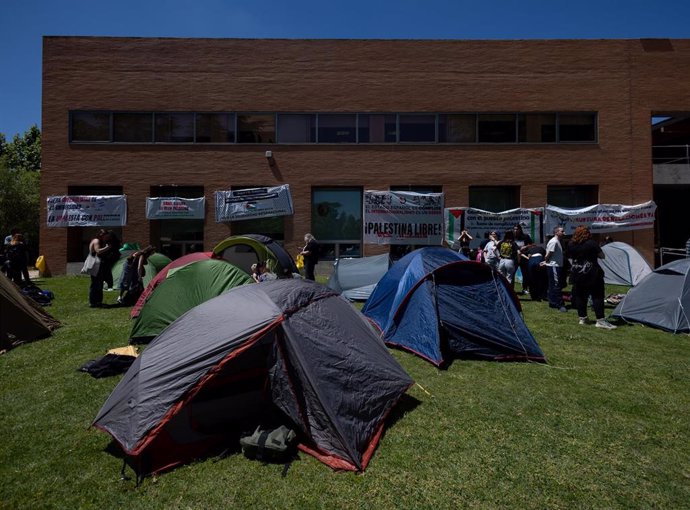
pixel 661 300
pixel 623 264
pixel 289 345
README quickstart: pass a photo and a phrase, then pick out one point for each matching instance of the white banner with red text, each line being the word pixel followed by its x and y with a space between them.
pixel 87 211
pixel 601 218
pixel 175 208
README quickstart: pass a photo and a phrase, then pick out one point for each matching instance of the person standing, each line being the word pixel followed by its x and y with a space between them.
pixel 587 276
pixel 110 255
pixel 553 260
pixel 523 241
pixel 508 254
pixel 489 250
pixel 96 287
pixel 464 242
pixel 18 257
pixel 310 252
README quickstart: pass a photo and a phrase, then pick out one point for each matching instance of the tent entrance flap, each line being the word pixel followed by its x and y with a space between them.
pixel 232 402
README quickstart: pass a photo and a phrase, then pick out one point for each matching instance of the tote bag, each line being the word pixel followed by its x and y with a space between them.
pixel 91 265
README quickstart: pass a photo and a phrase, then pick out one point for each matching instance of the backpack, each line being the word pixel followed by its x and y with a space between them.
pixel 277 445
pixel 505 249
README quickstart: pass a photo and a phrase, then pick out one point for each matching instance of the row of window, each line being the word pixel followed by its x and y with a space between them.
pixel 336 215
pixel 331 128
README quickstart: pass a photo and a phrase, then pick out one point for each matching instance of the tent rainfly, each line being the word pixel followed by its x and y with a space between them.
pixel 661 300
pixel 290 345
pixel 244 250
pixel 623 264
pixel 356 278
pixel 438 304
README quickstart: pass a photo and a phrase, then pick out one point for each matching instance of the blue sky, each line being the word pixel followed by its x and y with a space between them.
pixel 24 22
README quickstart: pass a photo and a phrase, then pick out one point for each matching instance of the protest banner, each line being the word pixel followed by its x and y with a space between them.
pixel 601 218
pixel 245 204
pixel 87 211
pixel 172 208
pixel 478 221
pixel 403 217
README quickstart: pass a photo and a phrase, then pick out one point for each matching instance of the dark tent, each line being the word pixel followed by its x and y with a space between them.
pixel 245 250
pixel 661 300
pixel 438 304
pixel 290 345
pixel 21 318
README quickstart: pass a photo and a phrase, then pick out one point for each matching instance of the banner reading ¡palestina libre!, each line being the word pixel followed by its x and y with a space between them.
pixel 173 208
pixel 403 217
pixel 601 218
pixel 87 211
pixel 477 222
pixel 245 204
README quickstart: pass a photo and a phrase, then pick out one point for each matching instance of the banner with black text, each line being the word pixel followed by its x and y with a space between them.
pixel 245 204
pixel 87 211
pixel 601 218
pixel 403 217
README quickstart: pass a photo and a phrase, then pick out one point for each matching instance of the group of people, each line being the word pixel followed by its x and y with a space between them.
pixel 14 258
pixel 543 268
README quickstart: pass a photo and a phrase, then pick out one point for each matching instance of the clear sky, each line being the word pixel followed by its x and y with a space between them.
pixel 24 22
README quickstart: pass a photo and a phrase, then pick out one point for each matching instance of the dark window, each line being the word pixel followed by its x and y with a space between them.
pixel 90 127
pixel 457 128
pixel 572 196
pixel 175 127
pixel 336 221
pixel 296 128
pixel 577 127
pixel 337 128
pixel 496 128
pixel 215 127
pixel 256 128
pixel 417 128
pixel 495 198
pixel 376 128
pixel 537 127
pixel 133 127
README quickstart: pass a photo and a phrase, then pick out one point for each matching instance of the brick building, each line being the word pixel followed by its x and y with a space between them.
pixel 491 124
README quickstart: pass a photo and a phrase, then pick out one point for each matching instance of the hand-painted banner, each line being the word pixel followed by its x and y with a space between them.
pixel 477 222
pixel 403 217
pixel 87 211
pixel 601 218
pixel 173 208
pixel 251 203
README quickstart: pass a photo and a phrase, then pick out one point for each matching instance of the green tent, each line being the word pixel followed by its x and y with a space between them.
pixel 155 263
pixel 183 289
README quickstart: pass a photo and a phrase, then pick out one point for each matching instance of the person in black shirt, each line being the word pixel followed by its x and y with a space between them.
pixel 587 276
pixel 310 252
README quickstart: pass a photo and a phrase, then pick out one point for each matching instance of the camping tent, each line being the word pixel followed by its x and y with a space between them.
pixel 245 250
pixel 21 318
pixel 163 274
pixel 661 300
pixel 623 264
pixel 155 263
pixel 438 304
pixel 356 278
pixel 292 346
pixel 184 288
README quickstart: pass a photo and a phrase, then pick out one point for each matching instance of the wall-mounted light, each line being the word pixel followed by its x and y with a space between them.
pixel 269 157
pixel 269 154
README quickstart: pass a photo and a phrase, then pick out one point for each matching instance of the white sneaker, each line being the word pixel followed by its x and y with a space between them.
pixel 119 300
pixel 603 323
pixel 583 320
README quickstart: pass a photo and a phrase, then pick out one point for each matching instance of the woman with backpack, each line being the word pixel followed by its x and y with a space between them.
pixel 508 256
pixel 587 276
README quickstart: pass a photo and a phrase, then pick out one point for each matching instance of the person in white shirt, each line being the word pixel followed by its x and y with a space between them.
pixel 554 268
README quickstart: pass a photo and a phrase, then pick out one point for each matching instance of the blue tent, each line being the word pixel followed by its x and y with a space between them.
pixel 438 304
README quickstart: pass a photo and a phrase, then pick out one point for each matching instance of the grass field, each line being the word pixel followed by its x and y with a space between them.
pixel 605 424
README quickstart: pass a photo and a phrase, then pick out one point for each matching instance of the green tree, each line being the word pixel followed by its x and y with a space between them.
pixel 20 165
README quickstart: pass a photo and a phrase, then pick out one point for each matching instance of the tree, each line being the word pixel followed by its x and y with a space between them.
pixel 20 165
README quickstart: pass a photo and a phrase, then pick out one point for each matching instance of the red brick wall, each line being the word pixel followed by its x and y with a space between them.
pixel 619 79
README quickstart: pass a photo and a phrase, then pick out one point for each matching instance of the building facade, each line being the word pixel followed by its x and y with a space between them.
pixel 492 124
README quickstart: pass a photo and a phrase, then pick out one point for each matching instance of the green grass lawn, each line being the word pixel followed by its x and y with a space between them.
pixel 605 424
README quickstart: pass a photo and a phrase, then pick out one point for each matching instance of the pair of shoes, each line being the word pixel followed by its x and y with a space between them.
pixel 603 323
pixel 583 320
pixel 110 289
pixel 562 309
pixel 118 300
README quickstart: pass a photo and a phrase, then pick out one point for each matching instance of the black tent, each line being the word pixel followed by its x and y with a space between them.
pixel 291 345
